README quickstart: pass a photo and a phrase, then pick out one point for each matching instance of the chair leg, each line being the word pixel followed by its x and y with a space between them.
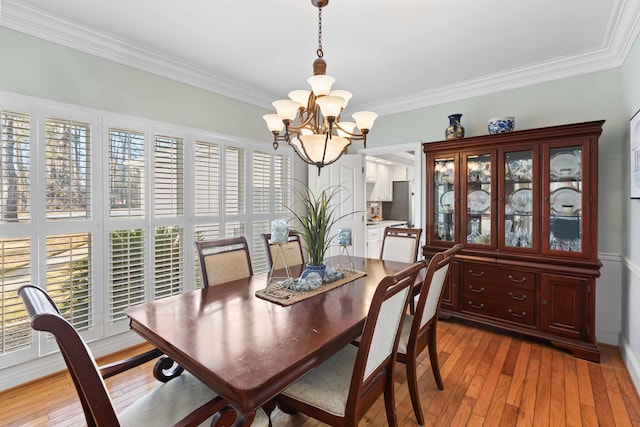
pixel 412 382
pixel 433 356
pixel 389 401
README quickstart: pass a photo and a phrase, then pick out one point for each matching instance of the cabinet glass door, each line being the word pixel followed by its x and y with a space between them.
pixel 518 199
pixel 478 199
pixel 565 199
pixel 444 198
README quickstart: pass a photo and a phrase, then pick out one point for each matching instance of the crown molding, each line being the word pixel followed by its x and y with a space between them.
pixel 35 22
pixel 623 30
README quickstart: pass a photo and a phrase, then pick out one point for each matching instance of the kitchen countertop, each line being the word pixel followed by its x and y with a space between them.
pixel 385 223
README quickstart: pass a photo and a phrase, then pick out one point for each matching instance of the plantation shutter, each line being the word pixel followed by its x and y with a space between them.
pixel 15 168
pixel 126 271
pixel 126 173
pixel 168 179
pixel 207 178
pixel 282 183
pixel 235 164
pixel 262 201
pixel 67 169
pixel 15 330
pixel 69 278
pixel 15 252
pixel 169 261
pixel 67 177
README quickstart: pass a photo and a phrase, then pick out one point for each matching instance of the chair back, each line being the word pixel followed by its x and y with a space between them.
pixel 291 251
pixel 431 289
pixel 45 316
pixel 224 260
pixel 373 371
pixel 400 244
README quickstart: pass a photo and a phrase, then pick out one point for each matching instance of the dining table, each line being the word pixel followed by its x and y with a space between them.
pixel 248 349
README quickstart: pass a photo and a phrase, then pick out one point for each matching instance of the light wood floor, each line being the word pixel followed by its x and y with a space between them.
pixel 491 379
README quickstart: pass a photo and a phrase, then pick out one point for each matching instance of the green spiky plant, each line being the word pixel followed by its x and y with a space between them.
pixel 318 215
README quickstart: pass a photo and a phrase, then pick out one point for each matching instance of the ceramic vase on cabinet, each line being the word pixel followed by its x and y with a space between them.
pixel 455 130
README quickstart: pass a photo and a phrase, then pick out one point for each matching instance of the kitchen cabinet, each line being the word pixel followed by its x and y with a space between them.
pixel 374 241
pixel 370 172
pixel 525 206
pixel 382 189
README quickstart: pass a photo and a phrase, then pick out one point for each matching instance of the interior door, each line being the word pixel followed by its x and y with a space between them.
pixel 348 172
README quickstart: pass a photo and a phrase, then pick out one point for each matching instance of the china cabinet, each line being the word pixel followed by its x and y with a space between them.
pixel 525 206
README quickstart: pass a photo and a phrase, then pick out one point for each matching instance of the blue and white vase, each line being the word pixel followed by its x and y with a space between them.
pixel 455 130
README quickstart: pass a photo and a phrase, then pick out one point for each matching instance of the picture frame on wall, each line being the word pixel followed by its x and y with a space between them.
pixel 634 146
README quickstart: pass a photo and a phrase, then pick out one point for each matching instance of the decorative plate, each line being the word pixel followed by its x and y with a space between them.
pixel 447 173
pixel 478 201
pixel 521 200
pixel 446 201
pixel 566 201
pixel 565 165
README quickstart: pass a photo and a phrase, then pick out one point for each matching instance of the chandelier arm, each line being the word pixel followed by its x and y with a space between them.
pixel 356 136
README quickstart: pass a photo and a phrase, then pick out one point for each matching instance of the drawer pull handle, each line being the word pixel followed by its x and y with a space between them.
pixel 524 313
pixel 522 298
pixel 476 290
pixel 476 274
pixel 524 279
pixel 476 306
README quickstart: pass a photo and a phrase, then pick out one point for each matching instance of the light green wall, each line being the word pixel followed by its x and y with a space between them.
pixel 589 97
pixel 35 67
pixel 631 83
pixel 630 341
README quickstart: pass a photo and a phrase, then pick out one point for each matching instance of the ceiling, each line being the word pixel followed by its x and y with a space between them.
pixel 394 55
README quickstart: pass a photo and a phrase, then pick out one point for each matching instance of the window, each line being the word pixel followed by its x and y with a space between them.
pixel 126 173
pixel 67 169
pixel 104 232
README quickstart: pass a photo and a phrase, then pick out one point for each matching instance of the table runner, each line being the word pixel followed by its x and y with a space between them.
pixel 278 294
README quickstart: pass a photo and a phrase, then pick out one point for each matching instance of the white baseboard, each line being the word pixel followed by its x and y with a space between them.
pixel 631 361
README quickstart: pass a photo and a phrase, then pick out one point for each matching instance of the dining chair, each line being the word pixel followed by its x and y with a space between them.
pixel 182 401
pixel 341 390
pixel 291 251
pixel 400 244
pixel 419 329
pixel 224 260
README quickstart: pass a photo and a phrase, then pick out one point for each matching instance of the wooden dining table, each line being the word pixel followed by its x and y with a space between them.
pixel 248 349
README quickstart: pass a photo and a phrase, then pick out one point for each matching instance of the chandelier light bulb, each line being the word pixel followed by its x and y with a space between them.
pixel 297 146
pixel 274 122
pixel 300 96
pixel 321 84
pixel 344 94
pixel 286 109
pixel 314 147
pixel 330 106
pixel 364 119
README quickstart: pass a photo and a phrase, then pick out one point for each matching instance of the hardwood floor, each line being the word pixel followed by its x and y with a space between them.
pixel 491 379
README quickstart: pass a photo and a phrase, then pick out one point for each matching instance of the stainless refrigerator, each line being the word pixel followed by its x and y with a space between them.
pixel 401 208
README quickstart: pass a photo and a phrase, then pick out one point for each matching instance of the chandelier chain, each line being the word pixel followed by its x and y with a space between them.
pixel 320 52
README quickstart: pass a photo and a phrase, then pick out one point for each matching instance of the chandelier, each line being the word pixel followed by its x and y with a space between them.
pixel 310 120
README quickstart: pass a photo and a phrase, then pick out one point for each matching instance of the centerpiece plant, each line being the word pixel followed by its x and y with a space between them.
pixel 317 215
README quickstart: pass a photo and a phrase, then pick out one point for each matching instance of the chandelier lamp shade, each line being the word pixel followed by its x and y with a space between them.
pixel 310 120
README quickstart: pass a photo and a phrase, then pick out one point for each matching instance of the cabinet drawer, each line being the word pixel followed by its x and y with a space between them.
pixel 515 278
pixel 482 273
pixel 501 307
pixel 479 273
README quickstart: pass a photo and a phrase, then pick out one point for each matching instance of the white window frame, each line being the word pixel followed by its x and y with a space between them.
pixel 100 224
